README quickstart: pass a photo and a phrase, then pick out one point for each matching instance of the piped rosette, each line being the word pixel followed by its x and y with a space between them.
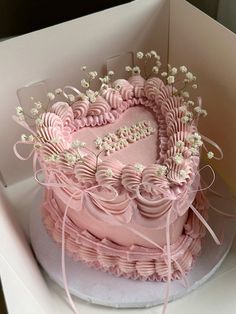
pixel 152 88
pixel 86 169
pixel 113 97
pixel 80 108
pixel 154 196
pixel 99 107
pixel 179 165
pixel 109 172
pixel 65 112
pixel 131 177
pixel 50 134
pixel 138 83
pixel 125 89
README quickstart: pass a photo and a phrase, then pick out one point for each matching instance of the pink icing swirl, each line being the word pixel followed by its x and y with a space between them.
pixel 176 125
pixel 80 108
pixel 117 206
pixel 99 107
pixel 64 111
pixel 86 169
pixel 138 82
pixel 131 178
pixel 113 97
pixel 152 87
pixel 164 94
pixel 170 103
pixel 107 117
pixel 109 172
pixel 156 183
pixel 125 88
pixel 52 120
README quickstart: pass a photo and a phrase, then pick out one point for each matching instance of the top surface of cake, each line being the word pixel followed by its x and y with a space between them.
pixel 138 136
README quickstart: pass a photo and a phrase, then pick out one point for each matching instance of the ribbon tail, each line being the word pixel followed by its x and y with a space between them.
pixel 217 147
pixel 207 226
pixel 63 266
pixel 167 292
pixel 18 155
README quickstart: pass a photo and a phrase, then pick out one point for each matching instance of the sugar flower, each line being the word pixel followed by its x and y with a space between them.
pixel 198 109
pixel 138 167
pixel 24 137
pixel 92 75
pixel 58 91
pixel 183 69
pixel 179 144
pixel 178 158
pixel 183 174
pixel 185 119
pixel 154 54
pixel 39 121
pixel 84 83
pixel 190 103
pixel 78 144
pixel 34 111
pixel 161 171
pixel 38 105
pixel 50 96
pixel 109 173
pixel 195 140
pixel 183 108
pixel 164 74
pixel 140 55
pixel 128 68
pixel 54 157
pixel 19 110
pixel 171 79
pixel 136 70
pixel 185 94
pixel 174 71
pixel 210 155
pixel 70 158
pixel 155 69
pixel 194 86
pixel 189 76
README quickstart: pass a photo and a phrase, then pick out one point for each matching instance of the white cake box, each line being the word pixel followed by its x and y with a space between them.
pixel 182 35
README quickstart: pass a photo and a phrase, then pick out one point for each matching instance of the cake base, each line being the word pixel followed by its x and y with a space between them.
pixel 101 288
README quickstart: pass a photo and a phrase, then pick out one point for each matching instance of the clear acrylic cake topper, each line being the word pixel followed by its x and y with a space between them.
pixel 28 94
pixel 119 62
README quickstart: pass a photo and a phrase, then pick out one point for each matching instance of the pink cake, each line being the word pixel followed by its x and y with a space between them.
pixel 121 170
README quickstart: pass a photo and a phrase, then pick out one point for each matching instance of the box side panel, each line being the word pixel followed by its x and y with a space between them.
pixel 22 281
pixel 56 54
pixel 209 50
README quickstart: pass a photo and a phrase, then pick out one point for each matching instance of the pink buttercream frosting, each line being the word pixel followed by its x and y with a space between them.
pixel 114 205
pixel 109 172
pixel 134 261
pixel 113 97
pixel 99 107
pixel 80 108
pixel 125 89
pixel 138 82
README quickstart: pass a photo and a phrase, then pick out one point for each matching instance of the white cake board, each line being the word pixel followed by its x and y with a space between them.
pixel 101 288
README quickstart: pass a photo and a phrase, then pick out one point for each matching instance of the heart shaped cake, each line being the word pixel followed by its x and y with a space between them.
pixel 121 172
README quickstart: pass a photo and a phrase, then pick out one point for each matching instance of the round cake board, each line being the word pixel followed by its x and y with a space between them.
pixel 101 288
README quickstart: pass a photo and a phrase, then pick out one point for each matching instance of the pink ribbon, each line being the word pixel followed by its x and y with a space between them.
pixel 217 147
